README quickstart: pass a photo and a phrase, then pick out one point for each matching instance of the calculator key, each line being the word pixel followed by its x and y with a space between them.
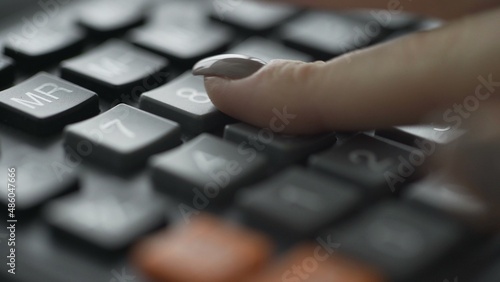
pixel 380 167
pixel 251 16
pixel 185 101
pixel 109 18
pixel 281 149
pixel 206 169
pixel 268 50
pixel 115 68
pixel 298 201
pixel 490 273
pixel 453 199
pixel 326 35
pixel 399 239
pixel 6 72
pixel 421 135
pixel 166 13
pixel 105 221
pixel 204 249
pixel 122 138
pixel 313 263
pixel 47 46
pixel 183 45
pixel 36 181
pixel 391 20
pixel 44 104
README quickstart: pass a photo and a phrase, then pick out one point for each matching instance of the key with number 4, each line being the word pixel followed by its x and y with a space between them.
pixel 206 168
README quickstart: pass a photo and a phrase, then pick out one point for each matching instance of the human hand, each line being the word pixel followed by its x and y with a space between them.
pixel 445 71
pixel 398 82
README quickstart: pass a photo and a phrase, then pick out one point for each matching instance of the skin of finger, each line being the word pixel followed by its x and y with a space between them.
pixel 473 160
pixel 393 83
pixel 256 99
pixel 446 9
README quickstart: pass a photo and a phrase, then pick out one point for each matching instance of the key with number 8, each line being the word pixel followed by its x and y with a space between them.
pixel 185 101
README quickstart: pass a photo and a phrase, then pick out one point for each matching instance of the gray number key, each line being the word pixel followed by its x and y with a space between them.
pixel 108 222
pixel 299 201
pixel 122 138
pixel 185 101
pixel 281 149
pixel 205 168
pixel 379 166
pixel 401 240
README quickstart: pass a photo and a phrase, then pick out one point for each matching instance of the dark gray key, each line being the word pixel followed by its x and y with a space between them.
pixel 392 20
pixel 379 166
pixel 105 221
pixel 6 72
pixel 267 50
pixel 206 169
pixel 47 46
pixel 325 35
pixel 44 104
pixel 298 201
pixel 451 198
pixel 37 180
pixel 421 136
pixel 110 18
pixel 183 45
pixel 282 149
pixel 491 273
pixel 185 101
pixel 123 137
pixel 116 70
pixel 250 16
pixel 166 13
pixel 399 239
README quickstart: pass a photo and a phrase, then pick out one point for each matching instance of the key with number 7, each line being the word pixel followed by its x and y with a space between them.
pixel 121 138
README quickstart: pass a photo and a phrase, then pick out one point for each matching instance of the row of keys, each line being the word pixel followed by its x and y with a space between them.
pixel 186 40
pixel 398 241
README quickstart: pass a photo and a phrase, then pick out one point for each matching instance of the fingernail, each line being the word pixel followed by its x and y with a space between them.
pixel 230 66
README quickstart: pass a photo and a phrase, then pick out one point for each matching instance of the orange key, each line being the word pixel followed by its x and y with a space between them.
pixel 311 263
pixel 204 250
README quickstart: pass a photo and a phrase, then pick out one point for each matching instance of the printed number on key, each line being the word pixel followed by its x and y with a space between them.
pixel 118 124
pixel 370 159
pixel 193 95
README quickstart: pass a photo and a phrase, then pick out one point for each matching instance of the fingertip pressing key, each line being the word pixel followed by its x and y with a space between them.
pixel 231 66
